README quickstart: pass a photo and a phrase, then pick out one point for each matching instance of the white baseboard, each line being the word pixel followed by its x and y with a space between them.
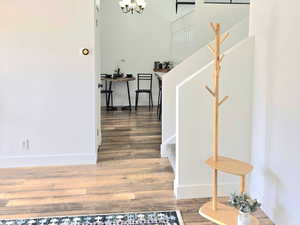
pixel 203 190
pixel 47 160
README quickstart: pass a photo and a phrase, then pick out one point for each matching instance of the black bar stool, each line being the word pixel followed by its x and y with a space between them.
pixel 146 77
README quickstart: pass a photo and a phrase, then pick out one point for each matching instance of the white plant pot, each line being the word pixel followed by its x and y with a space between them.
pixel 244 218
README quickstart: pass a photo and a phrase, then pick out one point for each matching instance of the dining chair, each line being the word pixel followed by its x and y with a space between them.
pixel 109 98
pixel 144 78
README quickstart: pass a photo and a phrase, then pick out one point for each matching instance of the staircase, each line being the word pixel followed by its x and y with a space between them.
pixel 181 72
pixel 186 119
pixel 193 123
pixel 186 68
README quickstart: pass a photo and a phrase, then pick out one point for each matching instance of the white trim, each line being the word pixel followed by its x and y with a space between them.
pixel 185 15
pixel 47 160
pixel 164 147
pixel 179 217
pixel 172 156
pixel 164 150
pixel 228 51
pixel 202 190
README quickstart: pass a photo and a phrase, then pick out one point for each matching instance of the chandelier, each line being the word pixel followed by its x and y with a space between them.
pixel 132 5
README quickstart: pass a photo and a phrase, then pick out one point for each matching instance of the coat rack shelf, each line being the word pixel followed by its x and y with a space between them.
pixel 213 210
pixel 228 165
pixel 224 215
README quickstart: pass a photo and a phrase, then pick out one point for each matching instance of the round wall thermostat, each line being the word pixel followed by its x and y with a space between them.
pixel 85 51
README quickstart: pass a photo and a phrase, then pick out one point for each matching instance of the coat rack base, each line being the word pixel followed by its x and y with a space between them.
pixel 224 215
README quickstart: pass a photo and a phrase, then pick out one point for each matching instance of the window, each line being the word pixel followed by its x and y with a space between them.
pixel 228 1
pixel 184 2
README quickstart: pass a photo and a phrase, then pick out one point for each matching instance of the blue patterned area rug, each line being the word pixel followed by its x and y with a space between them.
pixel 144 218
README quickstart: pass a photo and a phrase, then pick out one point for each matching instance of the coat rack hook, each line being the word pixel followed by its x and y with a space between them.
pixel 213 26
pixel 223 100
pixel 210 91
pixel 224 38
pixel 221 58
pixel 213 51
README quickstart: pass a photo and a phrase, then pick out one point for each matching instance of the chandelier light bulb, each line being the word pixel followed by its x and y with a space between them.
pixel 132 6
pixel 140 2
pixel 127 2
pixel 122 4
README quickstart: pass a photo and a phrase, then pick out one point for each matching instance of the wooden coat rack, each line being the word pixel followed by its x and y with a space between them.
pixel 213 210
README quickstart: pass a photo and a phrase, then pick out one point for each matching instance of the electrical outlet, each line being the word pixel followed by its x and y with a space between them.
pixel 25 144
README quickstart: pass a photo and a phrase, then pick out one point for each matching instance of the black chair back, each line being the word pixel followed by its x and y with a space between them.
pixel 144 77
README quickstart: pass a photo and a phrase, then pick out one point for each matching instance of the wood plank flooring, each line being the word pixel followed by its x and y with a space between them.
pixel 130 176
pixel 130 135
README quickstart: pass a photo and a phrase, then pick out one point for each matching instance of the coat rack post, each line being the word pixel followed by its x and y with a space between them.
pixel 242 184
pixel 216 113
pixel 213 210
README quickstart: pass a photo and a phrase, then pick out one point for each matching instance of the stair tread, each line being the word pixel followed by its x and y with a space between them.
pixel 229 165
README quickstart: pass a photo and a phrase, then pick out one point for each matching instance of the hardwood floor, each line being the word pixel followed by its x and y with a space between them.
pixel 135 135
pixel 130 176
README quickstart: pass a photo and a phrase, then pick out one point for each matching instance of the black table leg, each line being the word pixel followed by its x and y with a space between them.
pixel 106 95
pixel 109 98
pixel 109 93
pixel 129 98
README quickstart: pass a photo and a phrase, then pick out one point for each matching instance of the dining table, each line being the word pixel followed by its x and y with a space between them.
pixel 123 79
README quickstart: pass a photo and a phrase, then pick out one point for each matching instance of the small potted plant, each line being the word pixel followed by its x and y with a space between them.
pixel 245 205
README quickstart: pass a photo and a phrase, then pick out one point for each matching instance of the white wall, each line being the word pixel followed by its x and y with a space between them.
pixel 275 153
pixel 239 30
pixel 138 39
pixel 47 89
pixel 194 123
pixel 192 31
